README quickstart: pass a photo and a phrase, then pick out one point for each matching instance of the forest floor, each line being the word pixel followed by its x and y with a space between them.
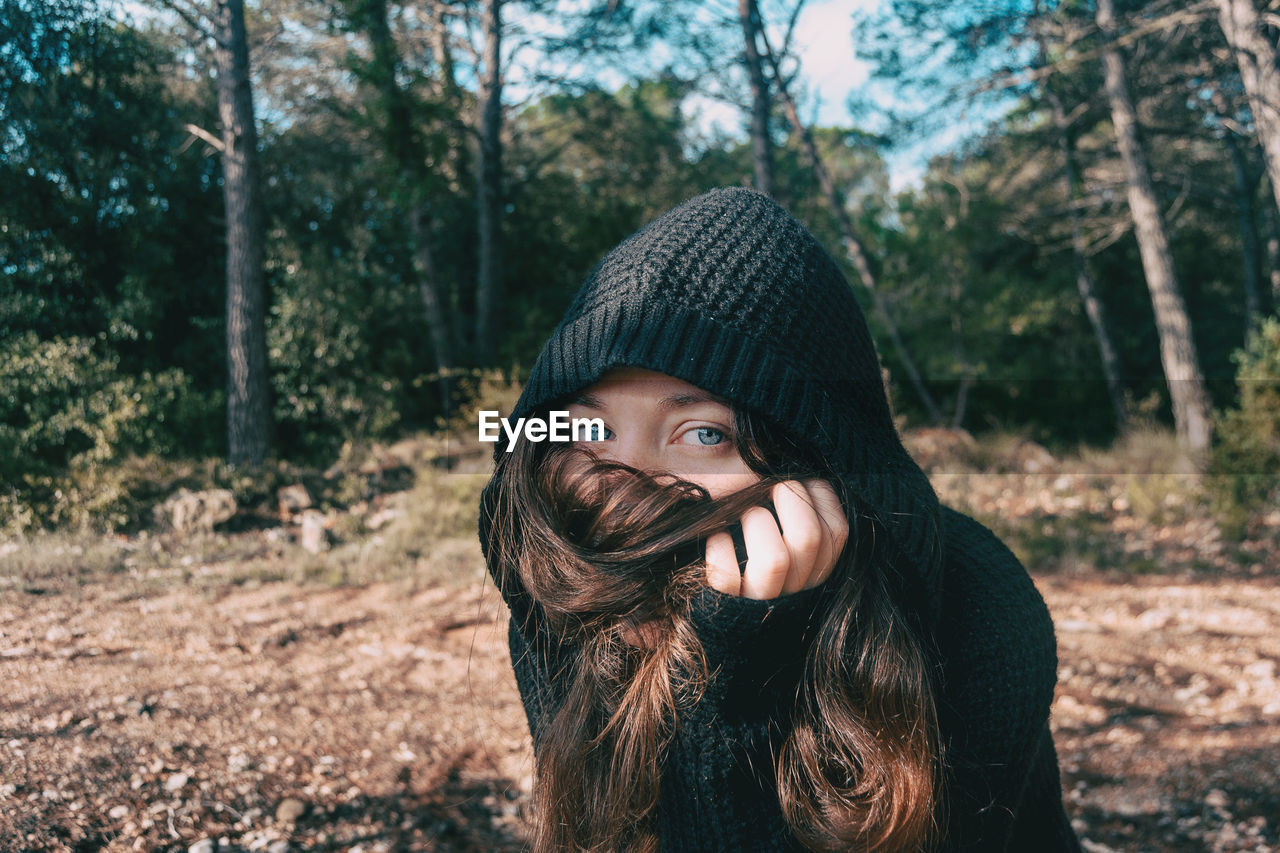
pixel 226 704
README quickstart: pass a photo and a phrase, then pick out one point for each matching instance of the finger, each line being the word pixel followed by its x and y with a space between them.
pixel 768 560
pixel 835 527
pixel 722 565
pixel 801 532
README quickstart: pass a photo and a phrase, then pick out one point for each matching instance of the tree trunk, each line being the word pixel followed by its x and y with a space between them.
pixel 248 391
pixel 1085 282
pixel 761 144
pixel 852 245
pixel 489 186
pixel 1246 184
pixel 1190 400
pixel 460 150
pixel 406 150
pixel 424 266
pixel 1273 254
pixel 1260 74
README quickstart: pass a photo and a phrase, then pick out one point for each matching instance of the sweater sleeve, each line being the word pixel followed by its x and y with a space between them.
pixel 719 789
pixel 999 660
pixel 1041 822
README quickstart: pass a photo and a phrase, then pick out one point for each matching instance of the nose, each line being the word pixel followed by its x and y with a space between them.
pixel 638 454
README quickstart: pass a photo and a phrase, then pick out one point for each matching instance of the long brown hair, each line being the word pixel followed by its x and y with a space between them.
pixel 610 558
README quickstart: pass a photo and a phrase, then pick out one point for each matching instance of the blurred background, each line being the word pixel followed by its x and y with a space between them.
pixel 262 263
pixel 271 230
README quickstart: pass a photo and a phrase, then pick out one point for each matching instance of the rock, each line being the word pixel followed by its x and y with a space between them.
pixel 1034 459
pixel 176 782
pixel 293 499
pixel 290 809
pixel 314 538
pixel 278 847
pixel 119 812
pixel 189 512
pixel 204 845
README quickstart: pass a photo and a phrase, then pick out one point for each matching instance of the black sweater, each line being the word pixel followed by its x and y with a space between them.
pixel 732 294
pixel 999 665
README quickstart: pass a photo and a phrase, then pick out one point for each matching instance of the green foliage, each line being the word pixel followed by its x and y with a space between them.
pixel 992 321
pixel 111 295
pixel 94 165
pixel 66 409
pixel 1245 468
pixel 340 349
pixel 65 401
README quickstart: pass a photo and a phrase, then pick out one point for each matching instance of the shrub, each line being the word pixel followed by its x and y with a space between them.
pixel 1245 467
pixel 66 409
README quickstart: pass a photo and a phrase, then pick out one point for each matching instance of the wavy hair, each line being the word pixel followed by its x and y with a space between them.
pixel 610 557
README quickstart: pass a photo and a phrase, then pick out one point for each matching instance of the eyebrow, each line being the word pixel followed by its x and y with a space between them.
pixel 679 401
pixel 666 404
pixel 590 401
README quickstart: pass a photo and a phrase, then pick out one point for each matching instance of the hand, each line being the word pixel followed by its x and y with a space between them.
pixel 796 552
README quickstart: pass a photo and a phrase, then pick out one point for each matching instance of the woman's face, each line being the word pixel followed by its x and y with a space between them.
pixel 660 424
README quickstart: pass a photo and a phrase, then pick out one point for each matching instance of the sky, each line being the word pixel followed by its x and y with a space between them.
pixel 829 74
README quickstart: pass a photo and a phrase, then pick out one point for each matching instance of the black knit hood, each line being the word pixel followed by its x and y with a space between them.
pixel 732 294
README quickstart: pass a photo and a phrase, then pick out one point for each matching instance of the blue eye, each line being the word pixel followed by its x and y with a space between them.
pixel 597 435
pixel 708 436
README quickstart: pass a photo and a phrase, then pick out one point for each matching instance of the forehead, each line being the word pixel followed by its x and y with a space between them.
pixel 638 384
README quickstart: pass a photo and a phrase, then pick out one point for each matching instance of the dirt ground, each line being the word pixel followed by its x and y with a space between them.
pixel 273 716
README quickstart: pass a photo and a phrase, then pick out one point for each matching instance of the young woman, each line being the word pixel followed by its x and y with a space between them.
pixel 740 619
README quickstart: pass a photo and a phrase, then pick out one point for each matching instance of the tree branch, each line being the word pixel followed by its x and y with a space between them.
pixel 785 50
pixel 1191 13
pixel 201 133
pixel 193 20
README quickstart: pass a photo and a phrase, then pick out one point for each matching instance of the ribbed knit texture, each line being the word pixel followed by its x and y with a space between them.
pixel 733 295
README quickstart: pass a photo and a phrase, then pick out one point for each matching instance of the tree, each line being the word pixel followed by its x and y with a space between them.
pixel 1191 407
pixel 489 189
pixel 761 103
pixel 248 389
pixel 94 165
pixel 403 137
pixel 248 381
pixel 1086 284
pixel 1256 55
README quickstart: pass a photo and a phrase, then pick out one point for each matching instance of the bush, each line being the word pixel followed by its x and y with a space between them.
pixel 66 409
pixel 1245 467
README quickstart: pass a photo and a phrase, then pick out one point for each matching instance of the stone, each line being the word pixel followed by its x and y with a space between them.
pixel 204 845
pixel 293 499
pixel 290 809
pixel 193 512
pixel 313 537
pixel 1035 459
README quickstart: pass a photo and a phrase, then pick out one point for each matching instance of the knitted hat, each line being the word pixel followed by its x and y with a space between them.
pixel 732 294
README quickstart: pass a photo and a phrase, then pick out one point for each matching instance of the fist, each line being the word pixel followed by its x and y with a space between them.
pixel 796 551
